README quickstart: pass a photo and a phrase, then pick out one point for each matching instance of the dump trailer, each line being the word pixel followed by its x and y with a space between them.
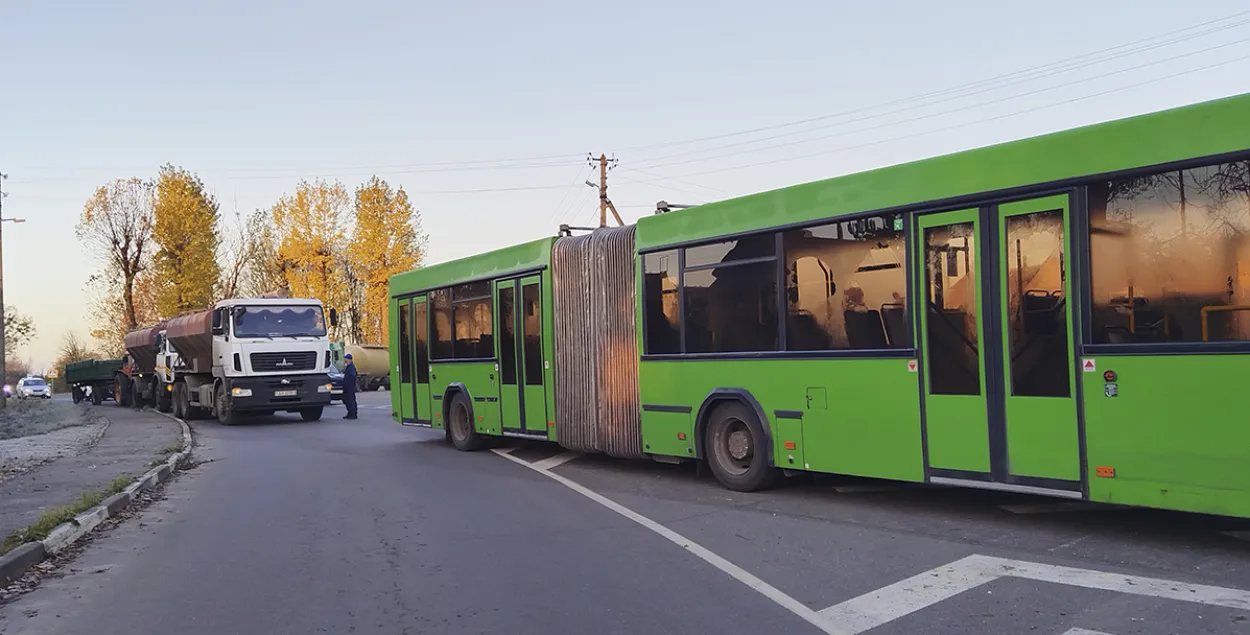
pixel 243 356
pixel 136 383
pixel 93 379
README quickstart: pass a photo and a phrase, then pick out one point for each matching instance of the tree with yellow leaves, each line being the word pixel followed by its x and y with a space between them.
pixel 186 233
pixel 387 240
pixel 310 229
pixel 116 224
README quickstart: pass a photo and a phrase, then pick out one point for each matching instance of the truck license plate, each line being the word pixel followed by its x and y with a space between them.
pixel 285 393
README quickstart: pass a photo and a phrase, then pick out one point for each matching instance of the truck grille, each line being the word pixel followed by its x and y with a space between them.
pixel 283 362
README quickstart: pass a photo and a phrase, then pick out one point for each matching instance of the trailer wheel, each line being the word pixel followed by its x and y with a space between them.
pixel 460 424
pixel 121 390
pixel 97 396
pixel 75 394
pixel 735 442
pixel 226 414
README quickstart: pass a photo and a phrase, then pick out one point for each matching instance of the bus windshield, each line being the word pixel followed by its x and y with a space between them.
pixel 279 321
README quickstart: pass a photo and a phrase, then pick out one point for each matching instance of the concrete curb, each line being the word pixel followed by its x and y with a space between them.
pixel 17 562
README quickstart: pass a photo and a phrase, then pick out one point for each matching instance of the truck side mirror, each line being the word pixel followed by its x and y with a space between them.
pixel 218 329
pixel 334 317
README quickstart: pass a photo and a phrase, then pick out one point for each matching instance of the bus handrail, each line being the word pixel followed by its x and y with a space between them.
pixel 1219 308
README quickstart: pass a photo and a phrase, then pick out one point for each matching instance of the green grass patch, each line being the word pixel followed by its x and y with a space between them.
pixel 52 518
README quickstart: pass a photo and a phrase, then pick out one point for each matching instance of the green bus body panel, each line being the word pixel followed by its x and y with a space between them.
pixel 1208 128
pixel 1176 434
pixel 957 426
pixel 482 382
pixel 1043 438
pixel 530 255
pixel 868 425
pixel 401 400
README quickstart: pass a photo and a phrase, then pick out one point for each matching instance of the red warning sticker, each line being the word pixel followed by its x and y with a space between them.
pixel 1089 366
pixel 911 365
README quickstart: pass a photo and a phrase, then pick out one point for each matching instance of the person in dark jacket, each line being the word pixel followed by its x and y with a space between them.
pixel 349 387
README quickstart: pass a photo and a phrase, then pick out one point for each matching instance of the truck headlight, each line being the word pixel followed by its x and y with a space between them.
pixel 241 392
pixel 325 388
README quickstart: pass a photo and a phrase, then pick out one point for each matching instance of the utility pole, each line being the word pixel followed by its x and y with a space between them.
pixel 4 398
pixel 3 358
pixel 605 203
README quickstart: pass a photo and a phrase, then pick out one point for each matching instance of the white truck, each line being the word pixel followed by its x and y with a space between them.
pixel 242 356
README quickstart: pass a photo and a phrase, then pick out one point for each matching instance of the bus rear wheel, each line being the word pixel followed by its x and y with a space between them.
pixel 460 424
pixel 736 449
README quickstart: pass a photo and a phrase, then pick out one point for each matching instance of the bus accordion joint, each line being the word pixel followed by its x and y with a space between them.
pixel 1105 471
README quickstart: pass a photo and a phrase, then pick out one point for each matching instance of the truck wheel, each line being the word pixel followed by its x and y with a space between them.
pixel 736 450
pixel 136 395
pixel 97 397
pixel 225 408
pixel 164 398
pixel 75 394
pixel 311 414
pixel 460 424
pixel 180 410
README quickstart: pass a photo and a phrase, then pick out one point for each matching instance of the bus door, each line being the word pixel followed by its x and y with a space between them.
pixel 411 397
pixel 996 341
pixel 508 352
pixel 421 360
pixel 531 363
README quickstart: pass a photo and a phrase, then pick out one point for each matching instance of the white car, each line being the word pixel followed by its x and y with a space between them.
pixel 33 387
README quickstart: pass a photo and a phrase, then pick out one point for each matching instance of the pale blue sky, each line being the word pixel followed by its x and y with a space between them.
pixel 254 95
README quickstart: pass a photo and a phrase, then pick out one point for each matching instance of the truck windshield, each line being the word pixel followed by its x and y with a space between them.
pixel 279 321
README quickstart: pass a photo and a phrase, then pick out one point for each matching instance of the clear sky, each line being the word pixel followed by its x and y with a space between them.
pixel 451 98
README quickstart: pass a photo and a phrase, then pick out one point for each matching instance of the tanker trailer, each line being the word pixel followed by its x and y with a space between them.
pixel 372 366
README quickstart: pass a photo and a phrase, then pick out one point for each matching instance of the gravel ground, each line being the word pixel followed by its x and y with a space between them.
pixel 26 417
pixel 35 432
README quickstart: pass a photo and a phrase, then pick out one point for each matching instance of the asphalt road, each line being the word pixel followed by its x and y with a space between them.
pixel 368 527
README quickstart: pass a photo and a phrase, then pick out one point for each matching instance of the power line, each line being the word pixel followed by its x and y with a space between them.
pixel 656 161
pixel 936 93
pixel 566 159
pixel 952 110
pixel 972 123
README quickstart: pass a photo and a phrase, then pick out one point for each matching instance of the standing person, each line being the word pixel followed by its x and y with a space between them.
pixel 349 387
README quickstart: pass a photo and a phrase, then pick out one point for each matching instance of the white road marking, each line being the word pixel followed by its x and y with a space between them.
pixel 1239 534
pixel 917 592
pixel 554 461
pixel 908 596
pixel 1051 508
pixel 733 570
pixel 1083 631
pixel 380 407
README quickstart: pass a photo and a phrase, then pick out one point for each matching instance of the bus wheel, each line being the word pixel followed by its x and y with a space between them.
pixel 736 452
pixel 460 424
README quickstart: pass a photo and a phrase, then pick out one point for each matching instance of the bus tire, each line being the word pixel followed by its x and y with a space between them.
pixel 460 424
pixel 735 446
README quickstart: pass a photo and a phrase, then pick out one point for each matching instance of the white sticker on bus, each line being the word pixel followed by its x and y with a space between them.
pixel 1089 366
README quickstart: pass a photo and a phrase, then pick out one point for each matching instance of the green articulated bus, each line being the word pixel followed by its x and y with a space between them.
pixel 1065 315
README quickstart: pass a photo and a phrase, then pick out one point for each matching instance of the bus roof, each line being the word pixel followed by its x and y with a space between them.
pixel 1204 129
pixel 517 258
